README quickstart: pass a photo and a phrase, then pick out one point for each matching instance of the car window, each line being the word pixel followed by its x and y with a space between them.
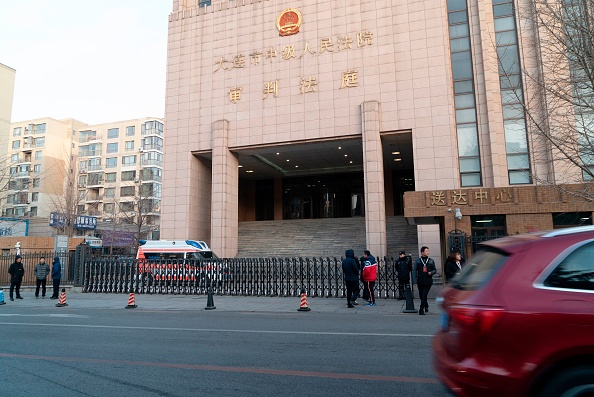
pixel 576 271
pixel 479 269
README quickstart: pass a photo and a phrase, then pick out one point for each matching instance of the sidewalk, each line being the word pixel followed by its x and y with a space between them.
pixel 156 302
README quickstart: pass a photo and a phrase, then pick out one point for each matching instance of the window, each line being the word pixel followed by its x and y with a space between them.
pixel 571 219
pixel 39 142
pixel 128 161
pixel 86 136
pixel 14 170
pixel 38 128
pixel 80 209
pixel 127 206
pixel 17 131
pixel 110 192
pixel 38 155
pixel 576 271
pixel 35 196
pixel 111 162
pixel 37 168
pixel 82 181
pixel 14 158
pixel 128 176
pixel 129 146
pixel 33 211
pixel 127 191
pixel 112 147
pixel 110 177
pixel 152 142
pixel 36 182
pixel 130 130
pixel 113 132
pixel 108 208
pixel 16 144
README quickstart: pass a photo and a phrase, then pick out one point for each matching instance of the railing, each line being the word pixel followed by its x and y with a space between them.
pixel 152 146
pixel 319 277
pixel 90 138
pixel 29 261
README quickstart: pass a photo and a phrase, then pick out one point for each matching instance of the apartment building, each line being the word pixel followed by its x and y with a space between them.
pixel 109 171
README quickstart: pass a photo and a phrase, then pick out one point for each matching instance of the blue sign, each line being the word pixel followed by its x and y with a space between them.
pixel 81 222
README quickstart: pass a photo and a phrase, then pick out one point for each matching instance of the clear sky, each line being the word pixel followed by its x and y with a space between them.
pixel 95 61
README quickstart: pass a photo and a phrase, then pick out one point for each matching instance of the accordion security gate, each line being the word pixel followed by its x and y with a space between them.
pixel 319 277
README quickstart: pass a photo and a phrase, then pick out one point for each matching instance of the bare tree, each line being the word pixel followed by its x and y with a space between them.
pixel 558 96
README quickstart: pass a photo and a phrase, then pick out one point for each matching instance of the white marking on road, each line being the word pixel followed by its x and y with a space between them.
pixel 43 315
pixel 246 331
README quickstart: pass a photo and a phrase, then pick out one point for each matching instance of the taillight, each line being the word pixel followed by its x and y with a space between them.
pixel 482 318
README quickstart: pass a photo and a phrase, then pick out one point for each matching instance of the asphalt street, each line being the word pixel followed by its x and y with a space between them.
pixel 248 346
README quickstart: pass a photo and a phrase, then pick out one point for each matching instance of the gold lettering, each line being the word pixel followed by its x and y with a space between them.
pixel 271 87
pixel 349 79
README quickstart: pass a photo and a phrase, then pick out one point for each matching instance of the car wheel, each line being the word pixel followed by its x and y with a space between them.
pixel 574 382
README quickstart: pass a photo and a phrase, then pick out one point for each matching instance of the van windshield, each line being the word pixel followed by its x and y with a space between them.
pixel 479 269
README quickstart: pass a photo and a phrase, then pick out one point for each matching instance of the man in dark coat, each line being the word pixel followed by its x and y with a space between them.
pixel 17 271
pixel 41 271
pixel 56 276
pixel 424 271
pixel 403 267
pixel 351 277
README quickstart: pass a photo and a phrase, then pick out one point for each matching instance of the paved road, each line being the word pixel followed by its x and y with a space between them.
pixel 171 346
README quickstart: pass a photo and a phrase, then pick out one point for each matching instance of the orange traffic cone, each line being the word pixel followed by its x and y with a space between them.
pixel 303 305
pixel 62 300
pixel 131 302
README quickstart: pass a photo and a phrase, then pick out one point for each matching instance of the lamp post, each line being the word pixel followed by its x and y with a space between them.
pixel 139 196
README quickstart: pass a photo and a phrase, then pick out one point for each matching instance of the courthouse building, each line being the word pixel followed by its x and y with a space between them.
pixel 281 110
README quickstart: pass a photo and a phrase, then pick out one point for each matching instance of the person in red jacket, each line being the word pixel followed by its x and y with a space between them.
pixel 369 275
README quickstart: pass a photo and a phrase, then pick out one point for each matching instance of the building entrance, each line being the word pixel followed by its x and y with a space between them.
pixel 328 196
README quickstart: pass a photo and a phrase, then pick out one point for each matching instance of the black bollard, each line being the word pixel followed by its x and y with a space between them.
pixel 410 304
pixel 210 301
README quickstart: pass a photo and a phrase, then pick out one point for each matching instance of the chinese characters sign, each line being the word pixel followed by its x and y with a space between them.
pixel 442 198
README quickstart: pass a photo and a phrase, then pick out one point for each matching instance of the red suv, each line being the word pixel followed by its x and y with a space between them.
pixel 519 319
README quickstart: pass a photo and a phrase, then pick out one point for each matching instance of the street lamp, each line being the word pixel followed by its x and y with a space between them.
pixel 139 196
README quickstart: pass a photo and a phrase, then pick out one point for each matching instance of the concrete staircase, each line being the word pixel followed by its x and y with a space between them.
pixel 319 237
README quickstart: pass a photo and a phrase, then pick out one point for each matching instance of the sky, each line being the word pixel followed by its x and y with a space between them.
pixel 94 61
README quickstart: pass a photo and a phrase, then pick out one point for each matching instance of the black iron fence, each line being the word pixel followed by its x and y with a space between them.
pixel 29 261
pixel 319 277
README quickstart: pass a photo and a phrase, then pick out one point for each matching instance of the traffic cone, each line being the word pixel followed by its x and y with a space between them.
pixel 2 297
pixel 303 304
pixel 210 301
pixel 131 302
pixel 410 303
pixel 62 300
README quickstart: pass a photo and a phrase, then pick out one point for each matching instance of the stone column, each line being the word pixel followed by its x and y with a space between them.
pixel 373 172
pixel 224 201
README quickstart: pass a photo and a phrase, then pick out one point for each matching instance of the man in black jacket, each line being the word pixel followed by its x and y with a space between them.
pixel 351 277
pixel 403 267
pixel 17 271
pixel 424 271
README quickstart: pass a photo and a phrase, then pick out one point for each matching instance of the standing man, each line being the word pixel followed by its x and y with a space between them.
pixel 41 271
pixel 369 275
pixel 17 271
pixel 351 277
pixel 424 270
pixel 403 267
pixel 56 276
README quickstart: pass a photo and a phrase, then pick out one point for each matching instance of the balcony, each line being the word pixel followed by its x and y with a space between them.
pixel 152 131
pixel 152 162
pixel 92 138
pixel 93 198
pixel 95 167
pixel 152 146
pixel 27 148
pixel 23 160
pixel 90 153
pixel 22 174
pixel 96 213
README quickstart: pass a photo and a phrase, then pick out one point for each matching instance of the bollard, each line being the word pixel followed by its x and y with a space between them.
pixel 210 301
pixel 131 302
pixel 303 302
pixel 2 297
pixel 62 300
pixel 410 304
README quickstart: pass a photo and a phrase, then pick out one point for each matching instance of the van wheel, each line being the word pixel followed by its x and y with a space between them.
pixel 574 382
